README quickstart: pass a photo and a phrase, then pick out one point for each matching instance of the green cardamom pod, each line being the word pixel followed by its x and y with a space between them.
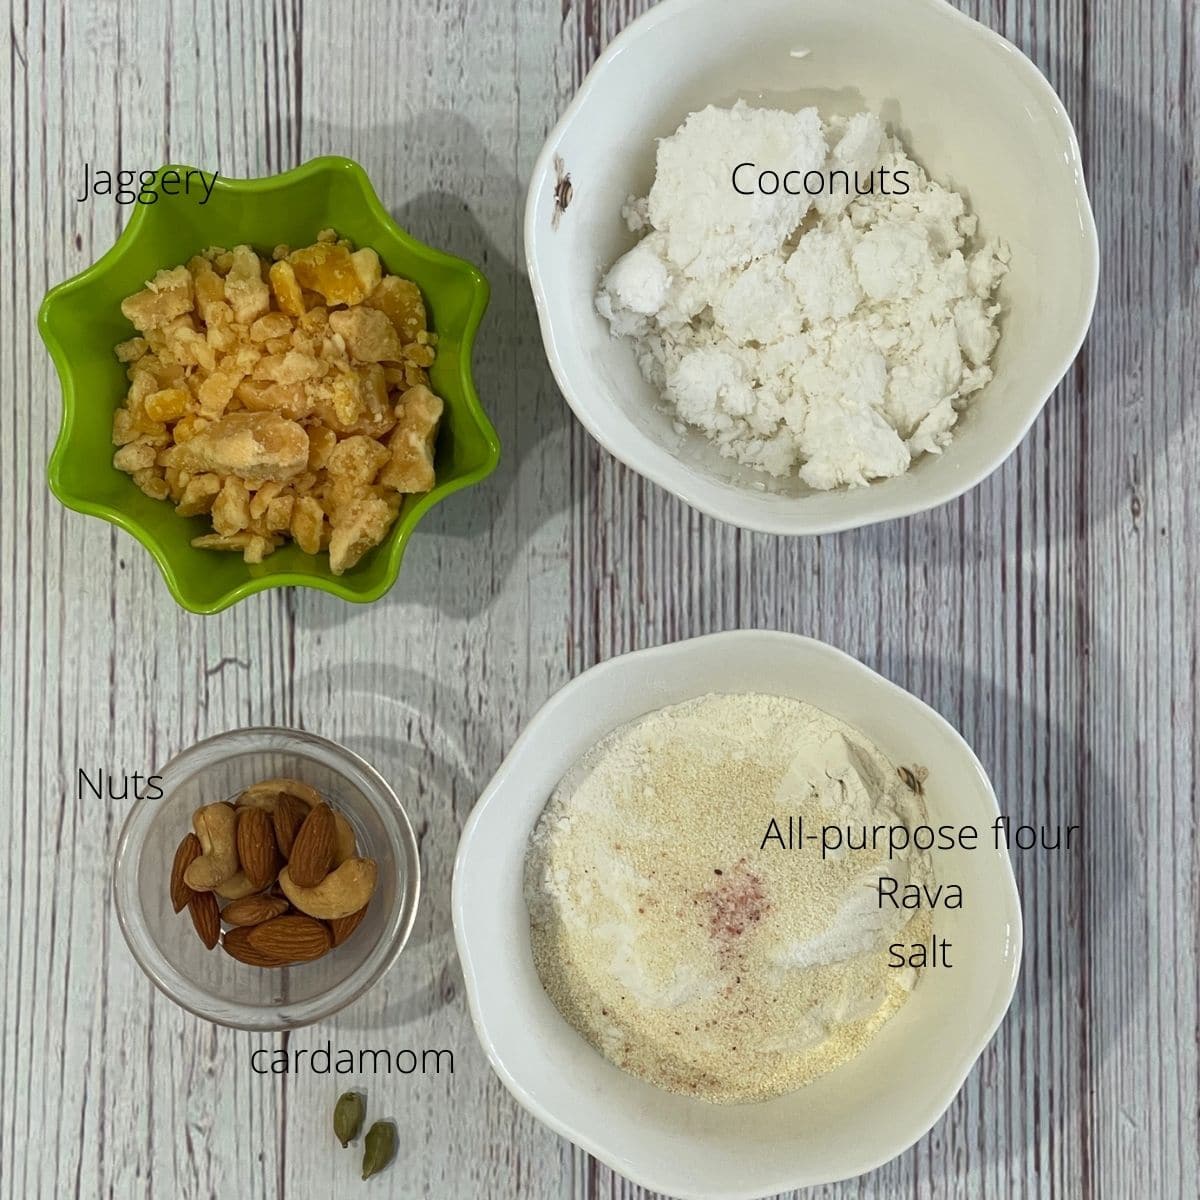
pixel 348 1115
pixel 378 1148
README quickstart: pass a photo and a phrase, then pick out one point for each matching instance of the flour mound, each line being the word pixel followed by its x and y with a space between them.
pixel 682 945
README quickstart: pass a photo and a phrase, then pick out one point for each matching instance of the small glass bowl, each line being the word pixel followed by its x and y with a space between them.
pixel 208 982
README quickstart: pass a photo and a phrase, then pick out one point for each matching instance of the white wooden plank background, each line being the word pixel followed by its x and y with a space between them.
pixel 1051 614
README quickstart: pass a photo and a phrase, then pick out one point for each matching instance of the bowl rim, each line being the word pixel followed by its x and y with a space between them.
pixel 641 454
pixel 396 541
pixel 372 969
pixel 475 983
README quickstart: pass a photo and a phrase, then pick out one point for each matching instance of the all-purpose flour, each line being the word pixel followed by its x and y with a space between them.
pixel 683 950
pixel 836 336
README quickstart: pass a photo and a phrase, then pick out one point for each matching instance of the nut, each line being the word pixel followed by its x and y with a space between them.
pixel 254 910
pixel 236 943
pixel 234 855
pixel 341 893
pixel 288 816
pixel 236 887
pixel 265 795
pixel 187 853
pixel 342 927
pixel 256 847
pixel 206 917
pixel 314 848
pixel 216 827
pixel 345 844
pixel 291 938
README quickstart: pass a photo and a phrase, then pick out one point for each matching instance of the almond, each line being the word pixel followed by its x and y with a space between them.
pixel 314 848
pixel 256 847
pixel 294 938
pixel 206 917
pixel 342 927
pixel 236 943
pixel 254 910
pixel 185 855
pixel 288 815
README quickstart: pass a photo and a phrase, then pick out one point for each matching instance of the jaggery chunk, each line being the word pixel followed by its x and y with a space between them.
pixel 410 468
pixel 131 350
pixel 254 547
pixel 285 399
pixel 293 366
pixel 231 508
pixel 308 524
pixel 343 407
pixel 367 268
pixel 321 442
pixel 136 456
pixel 400 300
pixel 271 325
pixel 262 498
pixel 245 291
pixel 363 524
pixel 357 459
pixel 369 335
pixel 167 405
pixel 167 296
pixel 315 321
pixel 198 495
pixel 189 348
pixel 252 446
pixel 288 294
pixel 208 285
pixel 329 269
pixel 215 393
pixel 125 428
pixel 279 514
pixel 187 427
pixel 151 481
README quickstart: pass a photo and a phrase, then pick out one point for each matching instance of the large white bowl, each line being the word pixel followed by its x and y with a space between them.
pixel 847 1122
pixel 972 109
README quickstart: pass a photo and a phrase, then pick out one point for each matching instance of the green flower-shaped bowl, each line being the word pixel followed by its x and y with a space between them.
pixel 80 321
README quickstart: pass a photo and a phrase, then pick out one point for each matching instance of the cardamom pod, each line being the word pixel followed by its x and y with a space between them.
pixel 348 1115
pixel 379 1146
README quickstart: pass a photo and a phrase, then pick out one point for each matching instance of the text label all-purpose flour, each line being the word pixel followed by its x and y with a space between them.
pixel 835 336
pixel 682 949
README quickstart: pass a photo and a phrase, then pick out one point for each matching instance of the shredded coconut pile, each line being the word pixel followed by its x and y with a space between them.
pixel 834 336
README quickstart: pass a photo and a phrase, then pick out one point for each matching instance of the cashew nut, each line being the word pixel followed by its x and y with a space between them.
pixel 343 891
pixel 216 827
pixel 236 887
pixel 346 847
pixel 264 795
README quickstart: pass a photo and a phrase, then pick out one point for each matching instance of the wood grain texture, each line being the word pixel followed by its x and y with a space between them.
pixel 1051 614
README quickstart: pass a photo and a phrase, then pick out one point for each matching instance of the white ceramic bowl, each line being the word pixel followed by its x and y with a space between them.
pixel 847 1122
pixel 971 108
